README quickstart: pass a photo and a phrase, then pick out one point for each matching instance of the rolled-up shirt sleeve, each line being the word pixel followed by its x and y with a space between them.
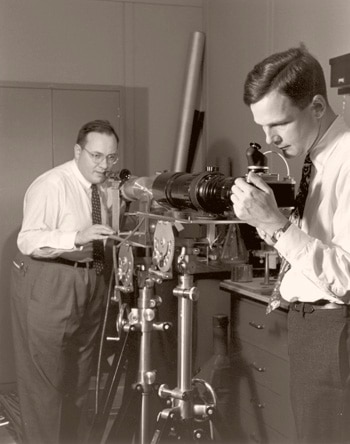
pixel 319 251
pixel 40 234
pixel 320 268
pixel 56 206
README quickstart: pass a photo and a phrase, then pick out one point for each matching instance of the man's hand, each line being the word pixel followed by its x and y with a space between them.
pixel 255 204
pixel 95 232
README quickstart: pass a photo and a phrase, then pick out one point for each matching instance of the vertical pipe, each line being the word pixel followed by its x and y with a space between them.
pixel 184 365
pixel 195 59
pixel 115 205
pixel 146 318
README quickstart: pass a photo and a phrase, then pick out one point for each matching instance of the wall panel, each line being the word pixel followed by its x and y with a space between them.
pixel 62 41
pixel 83 105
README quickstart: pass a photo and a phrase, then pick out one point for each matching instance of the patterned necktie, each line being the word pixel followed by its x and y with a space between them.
pixel 295 217
pixel 300 200
pixel 97 245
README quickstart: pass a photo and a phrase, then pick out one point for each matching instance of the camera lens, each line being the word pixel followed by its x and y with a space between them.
pixel 209 191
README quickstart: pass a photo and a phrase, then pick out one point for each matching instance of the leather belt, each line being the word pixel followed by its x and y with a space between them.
pixel 310 307
pixel 60 260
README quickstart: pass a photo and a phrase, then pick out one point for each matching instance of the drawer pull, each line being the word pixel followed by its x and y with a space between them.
pixel 258 404
pixel 257 326
pixel 257 368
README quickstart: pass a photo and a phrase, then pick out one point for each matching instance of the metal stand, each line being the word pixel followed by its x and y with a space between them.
pixel 185 419
pixel 137 399
pixel 193 402
pixel 142 318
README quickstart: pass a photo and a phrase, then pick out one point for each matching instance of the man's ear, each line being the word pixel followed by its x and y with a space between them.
pixel 77 151
pixel 319 106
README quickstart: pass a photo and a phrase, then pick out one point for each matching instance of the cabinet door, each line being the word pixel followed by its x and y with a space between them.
pixel 266 368
pixel 25 152
pixel 72 108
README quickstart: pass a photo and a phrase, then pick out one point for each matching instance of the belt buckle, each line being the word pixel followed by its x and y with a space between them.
pixel 307 308
pixel 302 307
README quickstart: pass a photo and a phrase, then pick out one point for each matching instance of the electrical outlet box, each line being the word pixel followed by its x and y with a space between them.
pixel 340 73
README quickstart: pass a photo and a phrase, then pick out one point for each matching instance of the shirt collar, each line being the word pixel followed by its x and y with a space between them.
pixel 325 146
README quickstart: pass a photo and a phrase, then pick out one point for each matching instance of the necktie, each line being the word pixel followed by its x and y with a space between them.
pixel 295 217
pixel 97 245
pixel 300 200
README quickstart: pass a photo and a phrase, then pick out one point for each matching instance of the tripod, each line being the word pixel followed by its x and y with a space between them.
pixel 192 404
pixel 139 324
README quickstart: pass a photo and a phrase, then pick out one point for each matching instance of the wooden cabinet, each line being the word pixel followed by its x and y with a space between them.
pixel 261 408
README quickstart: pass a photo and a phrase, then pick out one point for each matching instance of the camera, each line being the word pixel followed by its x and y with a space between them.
pixel 210 191
pixel 283 189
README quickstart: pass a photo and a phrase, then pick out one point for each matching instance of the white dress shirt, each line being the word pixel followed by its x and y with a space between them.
pixel 56 206
pixel 319 252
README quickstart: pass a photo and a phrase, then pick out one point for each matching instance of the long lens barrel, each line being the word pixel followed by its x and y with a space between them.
pixel 209 191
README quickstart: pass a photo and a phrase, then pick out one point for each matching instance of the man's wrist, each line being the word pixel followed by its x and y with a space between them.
pixel 278 233
pixel 270 228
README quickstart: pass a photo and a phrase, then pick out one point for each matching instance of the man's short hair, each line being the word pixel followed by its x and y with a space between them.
pixel 95 126
pixel 294 73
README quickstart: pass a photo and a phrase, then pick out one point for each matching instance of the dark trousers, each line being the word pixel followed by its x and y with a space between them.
pixel 56 314
pixel 319 350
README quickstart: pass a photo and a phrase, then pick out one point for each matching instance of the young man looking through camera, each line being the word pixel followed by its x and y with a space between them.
pixel 287 96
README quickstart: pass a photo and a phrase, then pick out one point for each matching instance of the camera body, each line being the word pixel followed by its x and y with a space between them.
pixel 283 189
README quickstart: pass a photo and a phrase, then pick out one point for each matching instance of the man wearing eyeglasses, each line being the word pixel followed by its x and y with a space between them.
pixel 58 292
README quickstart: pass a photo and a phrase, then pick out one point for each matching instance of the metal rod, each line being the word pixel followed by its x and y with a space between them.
pixel 145 418
pixel 267 269
pixel 184 382
pixel 146 320
pixel 189 101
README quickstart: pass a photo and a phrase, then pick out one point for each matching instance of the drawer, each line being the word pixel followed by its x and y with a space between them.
pixel 267 407
pixel 255 432
pixel 264 368
pixel 250 323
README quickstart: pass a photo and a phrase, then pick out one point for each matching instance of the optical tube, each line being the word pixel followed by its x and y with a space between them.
pixel 208 191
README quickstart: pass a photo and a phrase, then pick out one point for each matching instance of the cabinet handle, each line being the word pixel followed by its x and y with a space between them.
pixel 260 405
pixel 257 326
pixel 257 368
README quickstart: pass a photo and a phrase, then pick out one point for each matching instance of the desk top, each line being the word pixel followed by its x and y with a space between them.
pixel 256 289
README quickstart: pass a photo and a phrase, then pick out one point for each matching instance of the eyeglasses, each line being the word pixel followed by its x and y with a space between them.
pixel 97 158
